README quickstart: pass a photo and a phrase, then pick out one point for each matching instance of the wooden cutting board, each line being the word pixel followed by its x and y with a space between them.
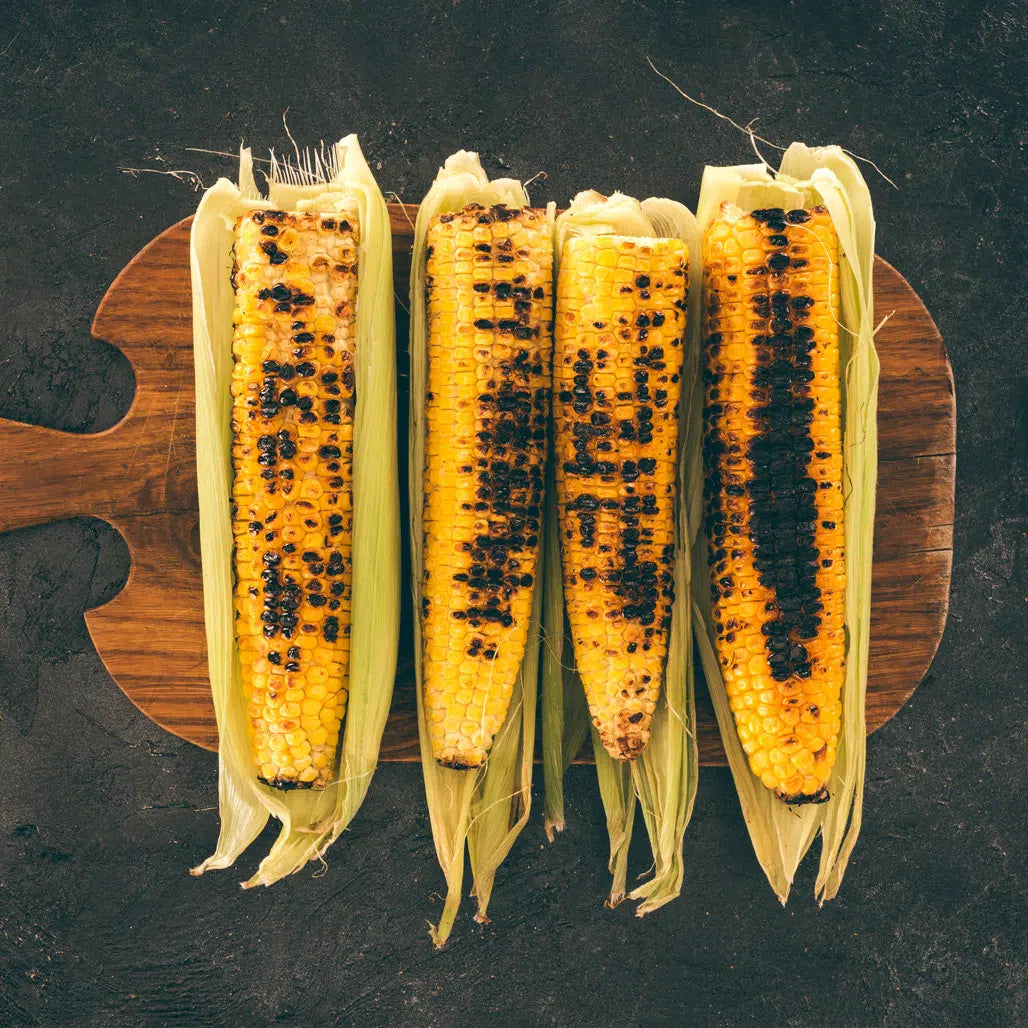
pixel 139 476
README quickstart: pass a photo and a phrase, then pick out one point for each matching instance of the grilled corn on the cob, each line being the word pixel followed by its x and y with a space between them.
pixel 617 366
pixel 489 310
pixel 773 456
pixel 295 278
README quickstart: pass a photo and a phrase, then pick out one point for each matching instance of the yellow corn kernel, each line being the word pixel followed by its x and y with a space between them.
pixel 292 418
pixel 489 307
pixel 617 369
pixel 773 439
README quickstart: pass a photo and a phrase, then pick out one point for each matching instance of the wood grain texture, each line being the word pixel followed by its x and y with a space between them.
pixel 139 476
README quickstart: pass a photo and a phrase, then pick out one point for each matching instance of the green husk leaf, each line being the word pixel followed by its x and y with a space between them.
pixel 565 713
pixel 781 835
pixel 311 819
pixel 663 779
pixel 484 810
pixel 617 793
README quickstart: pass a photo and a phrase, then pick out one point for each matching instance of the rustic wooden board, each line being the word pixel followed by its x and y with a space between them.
pixel 139 476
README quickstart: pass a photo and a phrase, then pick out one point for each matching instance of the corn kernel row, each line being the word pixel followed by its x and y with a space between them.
pixel 293 397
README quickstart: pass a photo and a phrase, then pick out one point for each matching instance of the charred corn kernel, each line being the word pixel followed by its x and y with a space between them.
pixel 617 368
pixel 773 491
pixel 295 279
pixel 489 305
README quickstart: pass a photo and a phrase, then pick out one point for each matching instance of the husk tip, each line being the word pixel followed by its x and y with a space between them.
pixel 651 901
pixel 615 898
pixel 552 828
pixel 649 906
pixel 827 893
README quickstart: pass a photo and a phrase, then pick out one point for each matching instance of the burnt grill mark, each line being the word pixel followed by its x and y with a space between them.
pixel 636 573
pixel 274 254
pixel 782 509
pixel 275 397
pixel 510 444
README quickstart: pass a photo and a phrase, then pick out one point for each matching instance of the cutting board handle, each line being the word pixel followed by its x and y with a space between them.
pixel 144 463
pixel 48 475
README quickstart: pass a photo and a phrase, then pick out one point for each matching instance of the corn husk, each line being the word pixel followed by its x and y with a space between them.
pixel 781 835
pixel 663 779
pixel 481 811
pixel 311 819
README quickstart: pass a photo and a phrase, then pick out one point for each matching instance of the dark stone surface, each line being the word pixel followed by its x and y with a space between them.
pixel 101 812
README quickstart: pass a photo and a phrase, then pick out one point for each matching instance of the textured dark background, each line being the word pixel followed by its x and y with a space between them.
pixel 101 812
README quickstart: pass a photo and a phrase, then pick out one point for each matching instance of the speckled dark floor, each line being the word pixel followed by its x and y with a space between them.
pixel 101 812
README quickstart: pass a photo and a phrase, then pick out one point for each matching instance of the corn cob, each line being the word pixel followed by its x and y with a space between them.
pixel 489 313
pixel 773 488
pixel 295 280
pixel 617 368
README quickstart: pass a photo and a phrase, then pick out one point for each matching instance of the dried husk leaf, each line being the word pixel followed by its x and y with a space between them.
pixel 663 779
pixel 484 810
pixel 781 835
pixel 311 819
